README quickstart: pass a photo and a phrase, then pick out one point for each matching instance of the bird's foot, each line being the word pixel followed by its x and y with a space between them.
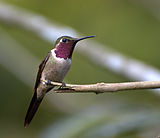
pixel 48 82
pixel 62 86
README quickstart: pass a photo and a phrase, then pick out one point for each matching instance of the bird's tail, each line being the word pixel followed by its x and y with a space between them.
pixel 32 109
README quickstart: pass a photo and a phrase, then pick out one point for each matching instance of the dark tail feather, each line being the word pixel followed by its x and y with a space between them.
pixel 32 109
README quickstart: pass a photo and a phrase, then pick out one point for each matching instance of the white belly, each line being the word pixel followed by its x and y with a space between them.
pixel 56 69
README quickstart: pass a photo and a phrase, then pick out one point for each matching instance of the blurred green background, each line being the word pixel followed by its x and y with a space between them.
pixel 128 26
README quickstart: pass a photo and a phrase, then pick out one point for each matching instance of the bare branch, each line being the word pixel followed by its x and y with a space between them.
pixel 105 87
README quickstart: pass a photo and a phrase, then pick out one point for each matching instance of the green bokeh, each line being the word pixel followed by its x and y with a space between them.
pixel 126 27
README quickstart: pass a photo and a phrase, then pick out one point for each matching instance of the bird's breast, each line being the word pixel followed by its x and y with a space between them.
pixel 56 68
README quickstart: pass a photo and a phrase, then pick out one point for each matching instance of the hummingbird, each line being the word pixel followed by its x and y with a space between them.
pixel 54 67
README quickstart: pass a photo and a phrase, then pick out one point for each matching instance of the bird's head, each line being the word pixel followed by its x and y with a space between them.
pixel 64 46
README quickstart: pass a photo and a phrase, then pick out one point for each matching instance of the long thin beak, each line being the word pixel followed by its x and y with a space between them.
pixel 79 39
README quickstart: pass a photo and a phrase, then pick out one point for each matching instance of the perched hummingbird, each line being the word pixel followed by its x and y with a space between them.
pixel 54 67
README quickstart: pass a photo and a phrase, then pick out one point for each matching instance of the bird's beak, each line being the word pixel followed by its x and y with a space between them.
pixel 79 39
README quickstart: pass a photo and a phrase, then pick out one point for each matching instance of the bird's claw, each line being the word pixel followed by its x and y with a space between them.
pixel 62 86
pixel 48 82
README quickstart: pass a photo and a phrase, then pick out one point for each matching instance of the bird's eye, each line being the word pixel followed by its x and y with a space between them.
pixel 64 40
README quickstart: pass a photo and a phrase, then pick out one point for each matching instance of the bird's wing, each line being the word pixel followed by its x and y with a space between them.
pixel 35 102
pixel 41 67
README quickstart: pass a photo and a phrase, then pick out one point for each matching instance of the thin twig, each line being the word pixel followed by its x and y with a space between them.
pixel 105 87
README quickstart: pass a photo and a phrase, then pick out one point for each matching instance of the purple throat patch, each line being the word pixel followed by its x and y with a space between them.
pixel 64 51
